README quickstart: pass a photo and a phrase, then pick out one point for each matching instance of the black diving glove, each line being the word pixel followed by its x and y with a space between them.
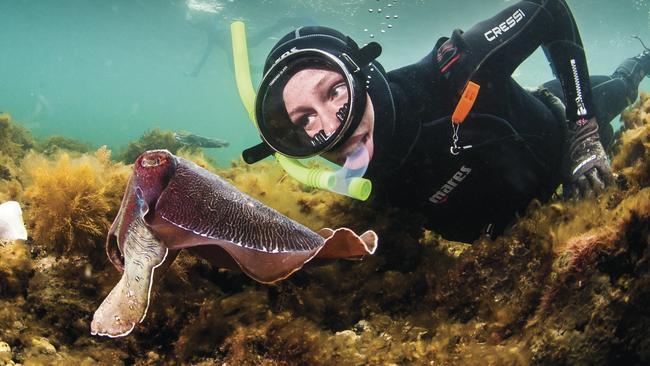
pixel 589 169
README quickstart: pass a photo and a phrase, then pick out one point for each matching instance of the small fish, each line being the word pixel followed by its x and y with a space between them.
pixel 191 139
pixel 11 222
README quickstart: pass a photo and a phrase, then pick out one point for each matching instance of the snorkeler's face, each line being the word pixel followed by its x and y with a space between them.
pixel 312 98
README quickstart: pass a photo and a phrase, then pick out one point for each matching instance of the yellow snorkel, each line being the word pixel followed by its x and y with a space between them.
pixel 355 187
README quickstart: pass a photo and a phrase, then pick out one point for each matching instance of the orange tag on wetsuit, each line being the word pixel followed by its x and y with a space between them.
pixel 465 103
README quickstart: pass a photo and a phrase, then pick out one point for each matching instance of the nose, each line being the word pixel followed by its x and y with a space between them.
pixel 329 119
pixel 330 123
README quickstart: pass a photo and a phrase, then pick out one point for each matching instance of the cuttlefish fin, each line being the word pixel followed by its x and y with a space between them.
pixel 12 226
pixel 267 267
pixel 126 305
pixel 345 243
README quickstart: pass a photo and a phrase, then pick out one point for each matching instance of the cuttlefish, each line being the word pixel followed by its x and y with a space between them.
pixel 190 139
pixel 171 204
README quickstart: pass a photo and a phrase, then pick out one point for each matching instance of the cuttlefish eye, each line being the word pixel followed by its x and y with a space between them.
pixel 155 164
pixel 149 162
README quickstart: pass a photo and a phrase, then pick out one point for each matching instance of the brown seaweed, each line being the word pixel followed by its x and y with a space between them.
pixel 568 284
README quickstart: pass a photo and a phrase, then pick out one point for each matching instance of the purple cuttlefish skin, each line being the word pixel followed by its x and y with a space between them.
pixel 171 204
pixel 152 172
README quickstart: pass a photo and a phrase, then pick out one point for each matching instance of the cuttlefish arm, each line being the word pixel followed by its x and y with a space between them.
pixel 133 248
pixel 126 305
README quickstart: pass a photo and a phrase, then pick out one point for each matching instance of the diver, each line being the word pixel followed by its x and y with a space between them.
pixel 453 136
pixel 206 16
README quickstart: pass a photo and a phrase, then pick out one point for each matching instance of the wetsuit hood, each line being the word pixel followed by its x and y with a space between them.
pixel 415 91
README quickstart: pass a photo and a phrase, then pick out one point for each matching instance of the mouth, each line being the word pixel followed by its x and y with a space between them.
pixel 341 154
pixel 354 140
pixel 368 142
pixel 365 139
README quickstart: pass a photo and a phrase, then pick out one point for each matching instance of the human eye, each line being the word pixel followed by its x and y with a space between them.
pixel 306 121
pixel 338 90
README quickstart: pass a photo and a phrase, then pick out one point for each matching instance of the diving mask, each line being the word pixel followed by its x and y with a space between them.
pixel 304 129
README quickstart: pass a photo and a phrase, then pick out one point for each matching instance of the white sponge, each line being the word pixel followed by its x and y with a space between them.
pixel 11 222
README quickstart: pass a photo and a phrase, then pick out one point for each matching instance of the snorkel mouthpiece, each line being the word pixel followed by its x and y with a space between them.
pixel 347 181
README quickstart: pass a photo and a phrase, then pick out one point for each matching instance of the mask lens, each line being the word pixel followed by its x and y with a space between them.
pixel 305 106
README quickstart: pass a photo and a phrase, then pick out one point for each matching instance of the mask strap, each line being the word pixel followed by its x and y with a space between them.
pixel 369 53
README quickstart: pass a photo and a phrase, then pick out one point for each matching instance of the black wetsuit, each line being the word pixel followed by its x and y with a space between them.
pixel 512 145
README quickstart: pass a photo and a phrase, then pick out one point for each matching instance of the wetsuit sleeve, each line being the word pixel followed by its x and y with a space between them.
pixel 495 47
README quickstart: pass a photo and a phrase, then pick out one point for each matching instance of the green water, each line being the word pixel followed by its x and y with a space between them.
pixel 107 71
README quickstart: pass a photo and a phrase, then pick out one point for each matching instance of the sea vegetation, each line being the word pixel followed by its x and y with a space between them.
pixel 568 284
pixel 633 157
pixel 15 140
pixel 15 143
pixel 54 144
pixel 70 202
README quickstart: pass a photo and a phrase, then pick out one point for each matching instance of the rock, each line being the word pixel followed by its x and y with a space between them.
pixel 41 345
pixel 153 357
pixel 5 353
pixel 347 338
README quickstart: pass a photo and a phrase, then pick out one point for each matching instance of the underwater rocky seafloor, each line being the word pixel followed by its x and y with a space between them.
pixel 568 284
